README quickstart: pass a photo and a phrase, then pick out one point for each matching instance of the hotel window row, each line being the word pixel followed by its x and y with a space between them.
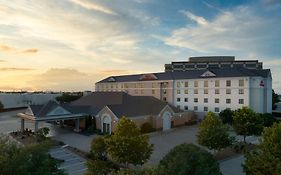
pixel 206 91
pixel 216 100
pixel 206 83
pixel 206 109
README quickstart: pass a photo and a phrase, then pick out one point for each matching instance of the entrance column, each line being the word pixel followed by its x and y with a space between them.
pixel 35 126
pixel 22 125
pixel 77 125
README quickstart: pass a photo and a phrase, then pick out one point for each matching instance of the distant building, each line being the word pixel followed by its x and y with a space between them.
pixel 218 83
pixel 198 63
pixel 17 100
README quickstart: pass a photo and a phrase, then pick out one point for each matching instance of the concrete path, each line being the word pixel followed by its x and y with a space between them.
pixel 73 164
pixel 232 166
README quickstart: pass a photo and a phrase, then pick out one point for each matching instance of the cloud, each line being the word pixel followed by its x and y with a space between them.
pixel 62 79
pixel 32 50
pixel 15 69
pixel 1 61
pixel 198 19
pixel 93 6
pixel 7 48
pixel 236 30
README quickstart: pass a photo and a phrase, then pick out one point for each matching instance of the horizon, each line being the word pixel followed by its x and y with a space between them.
pixel 69 45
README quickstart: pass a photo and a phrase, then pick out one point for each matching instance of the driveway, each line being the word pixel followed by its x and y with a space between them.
pixel 232 166
pixel 164 141
pixel 73 164
pixel 69 137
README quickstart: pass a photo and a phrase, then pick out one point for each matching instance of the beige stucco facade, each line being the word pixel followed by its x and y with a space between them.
pixel 176 119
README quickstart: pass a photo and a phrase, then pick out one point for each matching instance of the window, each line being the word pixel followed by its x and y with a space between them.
pixel 241 101
pixel 205 91
pixel 178 91
pixel 178 106
pixel 228 91
pixel 164 99
pixel 241 83
pixel 195 91
pixel 195 83
pixel 135 85
pixel 241 91
pixel 228 101
pixel 142 85
pixel 164 91
pixel 205 100
pixel 217 100
pixel 186 84
pixel 217 109
pixel 136 92
pixel 217 83
pixel 217 91
pixel 142 92
pixel 195 100
pixel 178 84
pixel 178 99
pixel 153 85
pixel 186 108
pixel 186 91
pixel 205 108
pixel 111 86
pixel 153 92
pixel 126 85
pixel 185 99
pixel 205 83
pixel 228 83
pixel 122 86
pixel 195 108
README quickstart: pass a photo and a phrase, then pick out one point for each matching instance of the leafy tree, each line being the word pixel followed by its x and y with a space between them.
pixel 28 160
pixel 226 116
pixel 267 159
pixel 188 159
pixel 41 134
pixel 246 122
pixel 146 127
pixel 98 163
pixel 68 97
pixel 1 106
pixel 127 145
pixel 268 119
pixel 275 99
pixel 213 133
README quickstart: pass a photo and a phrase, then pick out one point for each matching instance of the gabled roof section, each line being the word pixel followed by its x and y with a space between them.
pixel 145 77
pixel 194 74
pixel 208 74
pixel 111 79
pixel 58 111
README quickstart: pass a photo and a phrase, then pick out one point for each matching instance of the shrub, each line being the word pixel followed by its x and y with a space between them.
pixel 146 128
pixel 42 133
pixel 188 159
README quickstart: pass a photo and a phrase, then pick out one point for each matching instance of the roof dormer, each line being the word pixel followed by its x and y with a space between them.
pixel 145 77
pixel 208 74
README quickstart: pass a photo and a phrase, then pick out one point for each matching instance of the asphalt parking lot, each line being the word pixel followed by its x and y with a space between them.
pixel 73 164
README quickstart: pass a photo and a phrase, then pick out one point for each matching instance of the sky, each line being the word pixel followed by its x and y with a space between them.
pixel 68 45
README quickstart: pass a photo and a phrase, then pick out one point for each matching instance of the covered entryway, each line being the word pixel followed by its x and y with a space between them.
pixel 166 121
pixel 106 124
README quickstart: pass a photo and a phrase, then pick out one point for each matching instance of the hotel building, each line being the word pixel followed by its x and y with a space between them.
pixel 202 84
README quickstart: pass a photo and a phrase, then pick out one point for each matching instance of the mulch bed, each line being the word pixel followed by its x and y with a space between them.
pixel 231 151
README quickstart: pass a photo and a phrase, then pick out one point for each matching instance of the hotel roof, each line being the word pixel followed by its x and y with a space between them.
pixel 191 74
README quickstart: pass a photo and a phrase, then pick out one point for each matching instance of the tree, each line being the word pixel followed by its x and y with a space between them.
pixel 226 116
pixel 268 119
pixel 246 122
pixel 28 160
pixel 275 99
pixel 1 106
pixel 213 133
pixel 41 134
pixel 98 163
pixel 67 97
pixel 188 159
pixel 127 145
pixel 267 159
